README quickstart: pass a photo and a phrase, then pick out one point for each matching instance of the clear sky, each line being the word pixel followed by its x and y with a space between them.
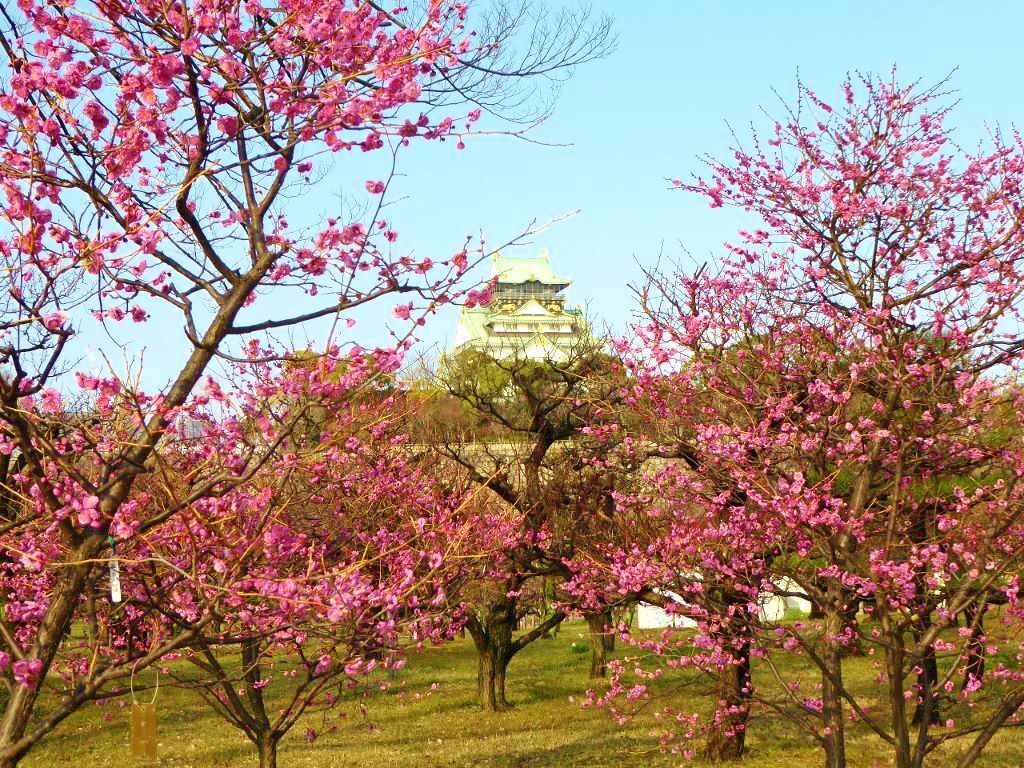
pixel 632 121
pixel 683 69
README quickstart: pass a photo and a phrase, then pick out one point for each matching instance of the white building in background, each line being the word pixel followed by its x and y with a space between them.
pixel 527 313
pixel 772 608
pixel 655 617
pixel 776 608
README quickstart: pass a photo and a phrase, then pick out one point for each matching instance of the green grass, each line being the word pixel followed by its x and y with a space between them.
pixel 443 727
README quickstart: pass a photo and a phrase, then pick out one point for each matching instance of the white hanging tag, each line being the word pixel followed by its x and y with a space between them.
pixel 115 581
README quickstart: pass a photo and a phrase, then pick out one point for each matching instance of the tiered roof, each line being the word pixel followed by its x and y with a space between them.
pixel 532 322
pixel 524 270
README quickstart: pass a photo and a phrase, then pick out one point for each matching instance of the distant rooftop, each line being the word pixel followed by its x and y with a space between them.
pixel 510 269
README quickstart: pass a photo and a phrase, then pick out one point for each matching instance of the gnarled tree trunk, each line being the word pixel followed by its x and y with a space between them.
pixel 726 738
pixel 495 646
pixel 493 640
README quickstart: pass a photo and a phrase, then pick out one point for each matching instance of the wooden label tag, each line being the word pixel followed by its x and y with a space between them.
pixel 144 732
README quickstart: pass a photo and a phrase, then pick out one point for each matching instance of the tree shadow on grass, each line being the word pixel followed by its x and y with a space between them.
pixel 616 750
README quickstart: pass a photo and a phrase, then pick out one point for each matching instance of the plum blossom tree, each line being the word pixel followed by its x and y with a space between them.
pixel 846 376
pixel 148 152
pixel 339 553
pixel 710 577
pixel 519 439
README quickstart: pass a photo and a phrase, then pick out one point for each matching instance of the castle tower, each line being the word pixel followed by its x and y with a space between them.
pixel 527 313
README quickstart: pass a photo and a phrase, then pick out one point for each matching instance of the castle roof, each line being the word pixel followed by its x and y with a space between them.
pixel 510 269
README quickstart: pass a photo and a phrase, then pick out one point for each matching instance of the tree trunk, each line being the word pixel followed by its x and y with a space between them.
pixel 894 657
pixel 974 616
pixel 727 735
pixel 599 624
pixel 849 611
pixel 815 612
pixel 927 710
pixel 832 683
pixel 266 746
pixel 492 636
pixel 726 738
pixel 494 646
pixel 491 680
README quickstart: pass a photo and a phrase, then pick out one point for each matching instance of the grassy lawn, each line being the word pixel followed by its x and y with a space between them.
pixel 415 726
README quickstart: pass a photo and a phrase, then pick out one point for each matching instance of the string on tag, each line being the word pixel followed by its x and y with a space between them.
pixel 131 683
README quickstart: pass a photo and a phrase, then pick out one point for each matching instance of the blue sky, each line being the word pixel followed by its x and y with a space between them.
pixel 683 69
pixel 642 116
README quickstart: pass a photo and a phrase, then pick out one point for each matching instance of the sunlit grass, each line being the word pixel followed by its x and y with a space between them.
pixel 413 725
